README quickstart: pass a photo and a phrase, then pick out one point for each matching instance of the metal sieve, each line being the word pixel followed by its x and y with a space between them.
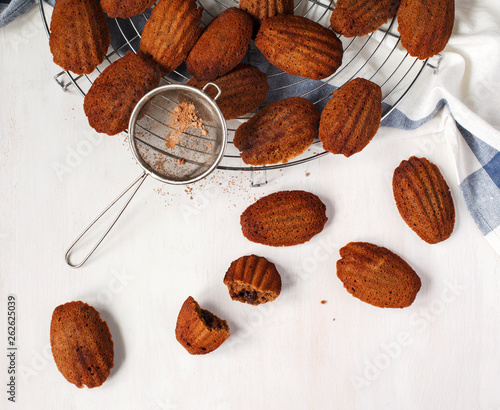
pixel 169 152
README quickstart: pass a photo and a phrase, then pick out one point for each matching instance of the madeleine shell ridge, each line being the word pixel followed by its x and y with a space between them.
pixel 377 276
pixel 125 8
pixel 81 344
pixel 253 279
pixel 243 89
pixel 300 46
pixel 423 199
pixel 112 97
pixel 221 46
pixel 198 330
pixel 351 118
pixel 79 35
pixel 425 26
pixel 171 32
pixel 279 132
pixel 352 18
pixel 285 218
pixel 263 9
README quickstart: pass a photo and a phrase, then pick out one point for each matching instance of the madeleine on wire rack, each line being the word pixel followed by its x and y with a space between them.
pixel 425 26
pixel 263 9
pixel 125 8
pixel 300 46
pixel 351 118
pixel 243 89
pixel 171 32
pixel 279 132
pixel 111 99
pixel 352 18
pixel 79 35
pixel 221 46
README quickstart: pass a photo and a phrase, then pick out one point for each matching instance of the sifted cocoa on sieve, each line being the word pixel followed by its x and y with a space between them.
pixel 183 117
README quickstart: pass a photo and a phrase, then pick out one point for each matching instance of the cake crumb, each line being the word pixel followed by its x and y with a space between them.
pixel 334 319
pixel 323 302
pixel 307 174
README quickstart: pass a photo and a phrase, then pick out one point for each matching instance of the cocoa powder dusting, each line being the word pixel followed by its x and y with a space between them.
pixel 183 117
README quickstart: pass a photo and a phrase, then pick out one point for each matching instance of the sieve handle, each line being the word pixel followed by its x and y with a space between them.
pixel 137 182
pixel 219 91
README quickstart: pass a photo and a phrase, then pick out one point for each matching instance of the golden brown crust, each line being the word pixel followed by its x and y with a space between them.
pixel 423 199
pixel 114 94
pixel 300 46
pixel 279 132
pixel 263 9
pixel 221 46
pixel 171 32
pixel 359 17
pixel 81 344
pixel 253 279
pixel 425 26
pixel 198 330
pixel 377 276
pixel 243 89
pixel 351 118
pixel 79 35
pixel 285 218
pixel 125 8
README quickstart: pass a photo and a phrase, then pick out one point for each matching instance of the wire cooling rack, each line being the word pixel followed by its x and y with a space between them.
pixel 378 57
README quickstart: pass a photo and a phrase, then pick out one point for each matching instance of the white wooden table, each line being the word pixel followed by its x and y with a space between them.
pixel 56 175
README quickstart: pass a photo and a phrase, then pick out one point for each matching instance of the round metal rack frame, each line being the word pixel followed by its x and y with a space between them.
pixel 378 57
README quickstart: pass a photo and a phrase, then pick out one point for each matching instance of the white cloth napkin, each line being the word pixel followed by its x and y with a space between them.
pixel 468 85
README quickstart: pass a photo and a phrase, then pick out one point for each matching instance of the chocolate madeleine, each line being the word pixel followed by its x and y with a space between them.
pixel 423 199
pixel 377 276
pixel 352 18
pixel 253 279
pixel 279 132
pixel 171 32
pixel 285 218
pixel 425 26
pixel 79 35
pixel 351 118
pixel 263 9
pixel 81 344
pixel 198 330
pixel 300 46
pixel 125 8
pixel 114 94
pixel 243 89
pixel 221 46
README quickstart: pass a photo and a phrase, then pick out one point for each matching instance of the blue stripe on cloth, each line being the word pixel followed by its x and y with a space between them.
pixel 483 152
pixel 482 198
pixel 8 12
pixel 493 170
pixel 399 120
pixel 481 189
